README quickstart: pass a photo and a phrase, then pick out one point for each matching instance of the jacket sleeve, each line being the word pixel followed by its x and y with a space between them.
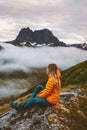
pixel 48 90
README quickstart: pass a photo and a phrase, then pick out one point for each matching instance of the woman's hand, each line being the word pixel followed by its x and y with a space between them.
pixel 37 95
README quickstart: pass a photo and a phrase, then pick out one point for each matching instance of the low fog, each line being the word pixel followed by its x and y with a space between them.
pixel 23 58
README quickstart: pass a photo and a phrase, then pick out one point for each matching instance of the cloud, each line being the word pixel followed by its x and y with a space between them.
pixel 16 58
pixel 62 17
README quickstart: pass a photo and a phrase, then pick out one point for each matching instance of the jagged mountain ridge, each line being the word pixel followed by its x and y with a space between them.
pixel 80 46
pixel 40 37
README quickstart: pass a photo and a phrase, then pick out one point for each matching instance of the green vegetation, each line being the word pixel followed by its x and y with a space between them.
pixel 15 74
pixel 22 74
pixel 75 75
pixel 78 119
pixel 83 104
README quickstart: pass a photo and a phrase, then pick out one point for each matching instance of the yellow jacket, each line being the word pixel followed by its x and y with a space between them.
pixel 49 92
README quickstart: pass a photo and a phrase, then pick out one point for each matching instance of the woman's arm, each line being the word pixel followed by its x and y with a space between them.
pixel 48 90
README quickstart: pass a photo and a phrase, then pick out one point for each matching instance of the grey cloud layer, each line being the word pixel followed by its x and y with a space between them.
pixel 16 58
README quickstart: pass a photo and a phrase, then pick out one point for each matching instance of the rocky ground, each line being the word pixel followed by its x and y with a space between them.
pixel 68 114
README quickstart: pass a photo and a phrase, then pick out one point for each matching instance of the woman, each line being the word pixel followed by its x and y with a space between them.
pixel 47 96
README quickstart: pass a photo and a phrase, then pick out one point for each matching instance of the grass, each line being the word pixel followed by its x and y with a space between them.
pixel 21 74
pixel 75 75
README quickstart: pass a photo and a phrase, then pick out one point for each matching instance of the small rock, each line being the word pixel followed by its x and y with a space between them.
pixel 6 128
pixel 81 114
pixel 54 118
pixel 36 120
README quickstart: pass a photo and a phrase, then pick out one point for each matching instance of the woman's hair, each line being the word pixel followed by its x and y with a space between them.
pixel 52 70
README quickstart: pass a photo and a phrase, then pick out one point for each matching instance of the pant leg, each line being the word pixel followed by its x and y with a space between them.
pixel 41 101
pixel 24 104
pixel 35 100
pixel 37 89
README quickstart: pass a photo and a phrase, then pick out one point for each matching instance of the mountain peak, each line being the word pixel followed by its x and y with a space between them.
pixel 40 37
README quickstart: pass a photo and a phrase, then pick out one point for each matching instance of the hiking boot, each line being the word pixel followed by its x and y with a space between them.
pixel 13 105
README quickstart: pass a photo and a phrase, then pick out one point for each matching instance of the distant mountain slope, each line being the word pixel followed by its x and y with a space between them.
pixel 75 75
pixel 1 48
pixel 26 37
pixel 81 46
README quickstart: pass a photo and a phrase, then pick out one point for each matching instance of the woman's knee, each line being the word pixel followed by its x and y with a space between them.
pixel 39 87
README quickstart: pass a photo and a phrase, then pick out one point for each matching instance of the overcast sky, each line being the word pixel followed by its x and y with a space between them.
pixel 67 19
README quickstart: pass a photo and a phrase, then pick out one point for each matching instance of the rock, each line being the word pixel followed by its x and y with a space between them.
pixel 61 108
pixel 36 120
pixel 82 115
pixel 81 45
pixel 52 117
pixel 26 36
pixel 1 48
pixel 75 100
pixel 6 128
pixel 58 117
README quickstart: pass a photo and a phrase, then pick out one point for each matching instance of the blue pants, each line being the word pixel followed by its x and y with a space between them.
pixel 34 99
